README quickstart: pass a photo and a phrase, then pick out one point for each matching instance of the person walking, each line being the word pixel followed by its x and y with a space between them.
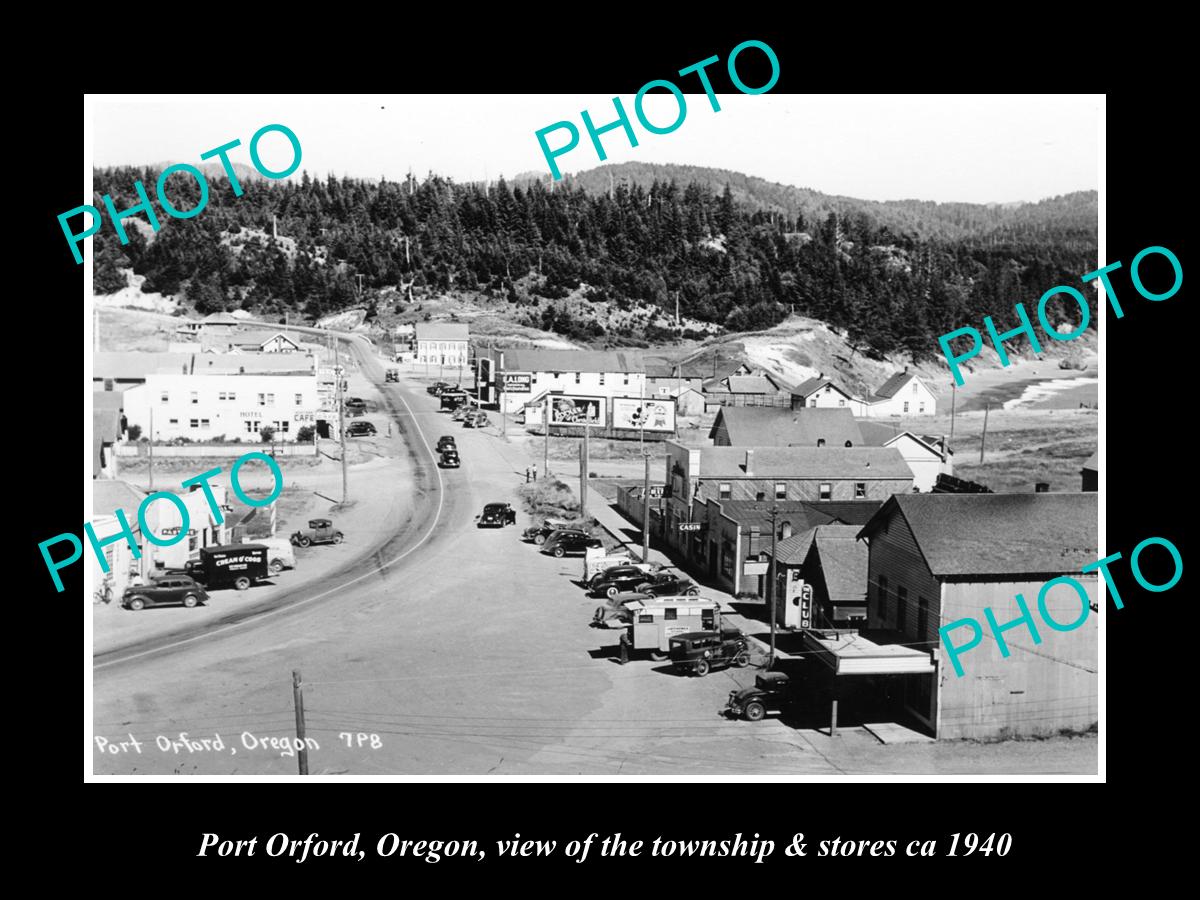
pixel 624 644
pixel 527 474
pixel 534 469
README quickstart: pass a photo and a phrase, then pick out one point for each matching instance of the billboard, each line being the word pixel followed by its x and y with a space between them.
pixel 517 383
pixel 652 413
pixel 569 410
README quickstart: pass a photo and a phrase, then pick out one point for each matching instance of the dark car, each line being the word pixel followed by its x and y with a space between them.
pixel 437 387
pixel 446 442
pixel 497 515
pixel 168 590
pixel 771 691
pixel 617 580
pixel 562 542
pixel 452 399
pixel 392 375
pixel 360 429
pixel 478 420
pixel 356 403
pixel 665 584
pixel 699 651
pixel 449 459
pixel 539 533
pixel 319 531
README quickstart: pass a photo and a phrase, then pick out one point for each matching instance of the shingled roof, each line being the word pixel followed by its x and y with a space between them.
pixel 843 563
pixel 1093 462
pixel 998 535
pixel 892 386
pixel 750 426
pixel 443 331
pixel 804 462
pixel 523 359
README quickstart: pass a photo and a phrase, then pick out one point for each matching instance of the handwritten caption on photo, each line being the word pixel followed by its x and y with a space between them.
pixel 754 849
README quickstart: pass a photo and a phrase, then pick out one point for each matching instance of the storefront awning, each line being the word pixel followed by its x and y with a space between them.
pixel 849 653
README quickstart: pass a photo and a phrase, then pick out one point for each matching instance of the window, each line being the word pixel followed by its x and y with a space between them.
pixel 724 491
pixel 785 530
pixel 760 495
pixel 282 427
pixel 205 423
pixel 860 490
pixel 781 490
pixel 914 387
pixel 627 378
pixel 195 397
pixel 252 426
pixel 922 617
pixel 906 406
pixel 921 408
pixel 645 620
pixel 812 402
pixel 881 609
pixel 194 423
pixel 262 399
pixel 108 384
pixel 820 442
pixel 221 396
pixel 827 389
pixel 172 421
pixel 901 608
pixel 270 399
pixel 849 443
pixel 232 395
pixel 825 491
pixel 577 376
pixel 670 614
pixel 601 379
pixel 165 398
pixel 841 403
pixel 299 399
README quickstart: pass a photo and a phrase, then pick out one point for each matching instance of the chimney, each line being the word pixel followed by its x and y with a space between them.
pixel 749 462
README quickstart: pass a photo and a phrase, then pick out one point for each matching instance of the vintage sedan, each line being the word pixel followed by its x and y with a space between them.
pixel 446 442
pixel 496 515
pixel 449 459
pixel 666 584
pixel 360 429
pixel 171 590
pixel 562 542
pixel 618 580
pixel 771 691
pixel 699 651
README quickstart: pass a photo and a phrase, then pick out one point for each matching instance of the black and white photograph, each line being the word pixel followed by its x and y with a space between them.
pixel 531 437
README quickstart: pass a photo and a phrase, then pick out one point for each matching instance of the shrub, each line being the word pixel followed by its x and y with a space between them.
pixel 267 434
pixel 306 434
pixel 135 432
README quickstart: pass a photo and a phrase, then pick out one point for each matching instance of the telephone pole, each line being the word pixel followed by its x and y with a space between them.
pixel 983 437
pixel 646 509
pixel 953 397
pixel 298 702
pixel 771 584
pixel 583 472
pixel 151 449
pixel 337 373
pixel 546 428
pixel 503 405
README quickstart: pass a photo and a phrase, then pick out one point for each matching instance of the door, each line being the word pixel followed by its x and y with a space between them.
pixel 708 619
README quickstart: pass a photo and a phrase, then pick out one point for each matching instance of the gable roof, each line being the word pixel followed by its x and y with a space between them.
pixel 843 563
pixel 892 386
pixel 849 512
pixel 804 462
pixel 812 385
pixel 751 384
pixel 259 336
pixel 523 359
pixel 1093 462
pixel 998 535
pixel 111 494
pixel 132 364
pixel 757 513
pixel 764 426
pixel 793 550
pixel 443 331
pixel 920 442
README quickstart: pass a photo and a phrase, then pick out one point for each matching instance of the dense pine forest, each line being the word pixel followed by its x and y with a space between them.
pixel 894 276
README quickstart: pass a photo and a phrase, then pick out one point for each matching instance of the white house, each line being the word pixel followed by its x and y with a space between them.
pixel 203 407
pixel 526 374
pixel 443 343
pixel 904 394
pixel 928 457
pixel 822 393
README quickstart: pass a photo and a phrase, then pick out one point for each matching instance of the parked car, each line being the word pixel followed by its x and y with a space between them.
pixel 496 515
pixel 356 403
pixel 478 420
pixel 319 531
pixel 437 387
pixel 360 429
pixel 280 554
pixel 449 459
pixel 666 584
pixel 171 590
pixel 624 568
pixel 229 565
pixel 446 442
pixel 771 691
pixel 562 542
pixel 699 651
pixel 392 375
pixel 618 580
pixel 452 399
pixel 461 412
pixel 539 533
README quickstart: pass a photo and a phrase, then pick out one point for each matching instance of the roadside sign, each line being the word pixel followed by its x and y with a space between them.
pixel 689 526
pixel 754 567
pixel 656 491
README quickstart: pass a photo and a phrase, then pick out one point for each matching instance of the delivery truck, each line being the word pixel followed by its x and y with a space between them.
pixel 230 565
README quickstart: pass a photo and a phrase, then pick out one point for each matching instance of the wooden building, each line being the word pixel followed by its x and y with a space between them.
pixel 937 558
pixel 766 427
pixel 822 393
pixel 904 394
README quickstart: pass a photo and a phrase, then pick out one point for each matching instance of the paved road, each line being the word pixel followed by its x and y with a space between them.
pixel 470 655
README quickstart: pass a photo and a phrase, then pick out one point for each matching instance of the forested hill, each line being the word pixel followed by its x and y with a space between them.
pixel 725 261
pixel 1071 216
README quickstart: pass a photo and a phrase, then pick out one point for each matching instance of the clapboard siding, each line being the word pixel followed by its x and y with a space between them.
pixel 803 488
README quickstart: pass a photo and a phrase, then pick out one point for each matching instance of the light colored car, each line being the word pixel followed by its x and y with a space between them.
pixel 280 554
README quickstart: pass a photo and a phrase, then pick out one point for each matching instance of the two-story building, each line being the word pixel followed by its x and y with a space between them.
pixel 935 559
pixel 523 375
pixel 443 343
pixel 904 394
pixel 761 389
pixel 823 393
pixel 750 426
pixel 207 406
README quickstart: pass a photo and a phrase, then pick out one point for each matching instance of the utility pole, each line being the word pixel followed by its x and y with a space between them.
pixel 298 702
pixel 337 373
pixel 771 585
pixel 151 450
pixel 953 397
pixel 983 437
pixel 583 472
pixel 646 509
pixel 503 405
pixel 546 428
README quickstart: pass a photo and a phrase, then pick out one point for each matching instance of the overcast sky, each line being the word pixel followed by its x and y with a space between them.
pixel 958 148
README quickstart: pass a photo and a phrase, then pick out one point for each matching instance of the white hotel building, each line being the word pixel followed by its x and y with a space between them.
pixel 528 374
pixel 203 407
